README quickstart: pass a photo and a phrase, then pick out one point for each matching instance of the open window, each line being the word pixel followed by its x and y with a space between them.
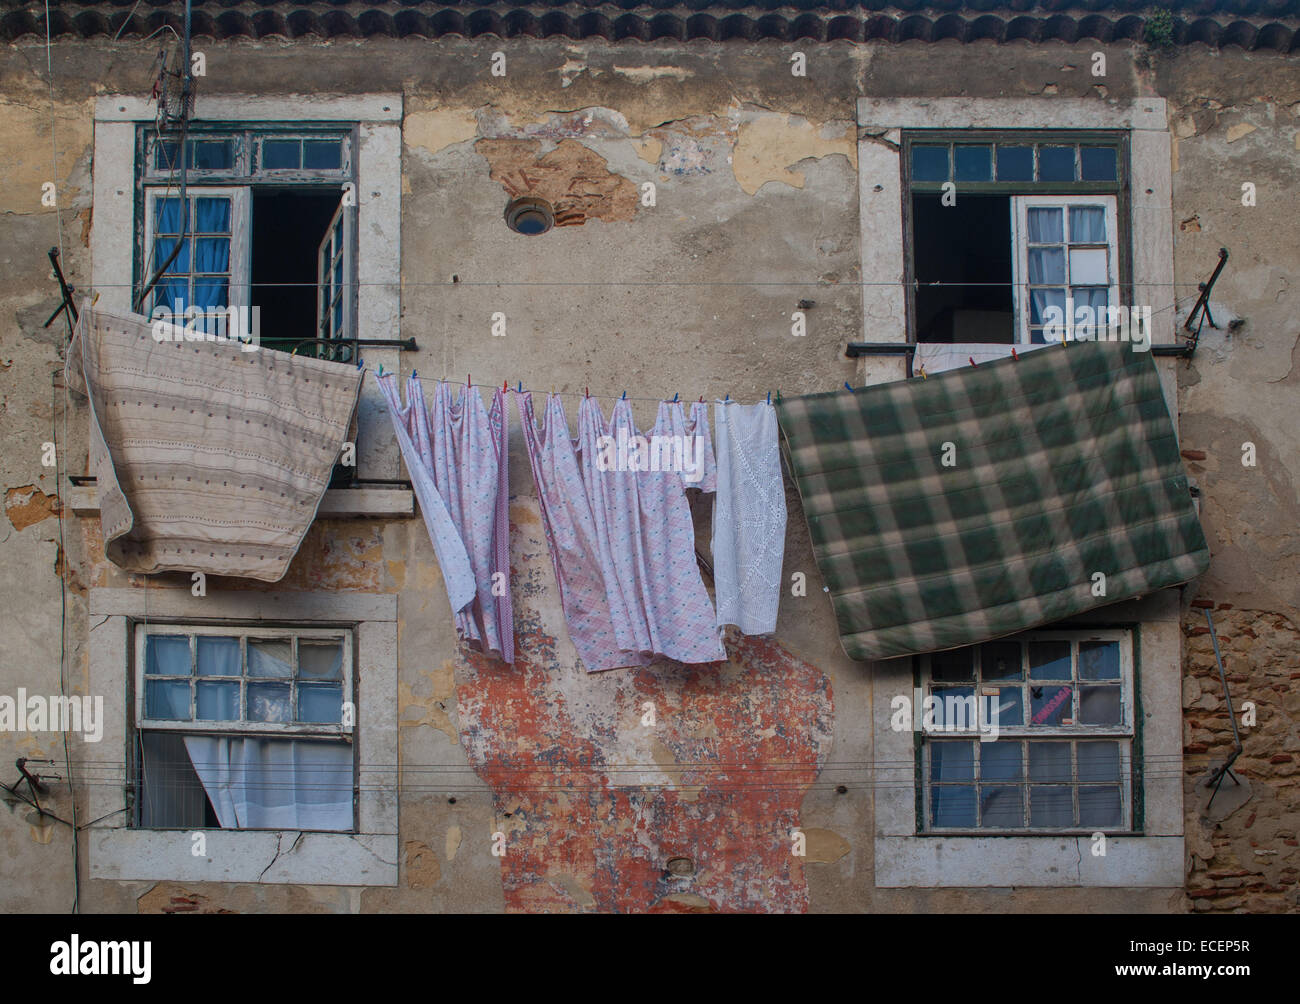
pixel 1003 226
pixel 269 228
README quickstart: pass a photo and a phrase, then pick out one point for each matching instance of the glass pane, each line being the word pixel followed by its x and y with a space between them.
pixel 1046 225
pixel 267 657
pixel 1056 163
pixel 320 702
pixel 213 155
pixel 268 702
pixel 167 655
pixel 1099 806
pixel 326 154
pixel 1006 709
pixel 955 708
pixel 1087 267
pixel 338 236
pixel 1095 297
pixel 1049 761
pixel 929 163
pixel 1099 705
pixel 1051 807
pixel 167 216
pixel 321 660
pixel 953 806
pixel 338 317
pixel 1098 163
pixel 338 272
pixel 162 247
pixel 956 664
pixel 952 761
pixel 1002 806
pixel 212 215
pixel 1015 163
pixel 278 154
pixel 974 163
pixel 1049 660
pixel 167 699
pixel 1000 660
pixel 1041 299
pixel 1047 265
pixel 1049 705
pixel 1087 225
pixel 1099 660
pixel 1000 761
pixel 218 702
pixel 173 294
pixel 166 155
pixel 218 656
pixel 1099 761
pixel 210 293
pixel 212 254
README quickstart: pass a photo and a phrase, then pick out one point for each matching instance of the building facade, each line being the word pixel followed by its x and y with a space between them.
pixel 738 197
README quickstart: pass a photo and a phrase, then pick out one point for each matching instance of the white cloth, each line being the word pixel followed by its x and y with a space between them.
pixel 939 356
pixel 275 784
pixel 748 517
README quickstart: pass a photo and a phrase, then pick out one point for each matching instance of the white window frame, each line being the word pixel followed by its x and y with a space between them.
pixel 1020 206
pixel 341 729
pixel 240 224
pixel 1123 732
pixel 328 292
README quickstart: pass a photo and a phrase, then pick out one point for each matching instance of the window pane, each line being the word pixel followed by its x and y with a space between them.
pixel 974 163
pixel 338 317
pixel 167 699
pixel 1041 299
pixel 268 702
pixel 1099 761
pixel 322 154
pixel 166 155
pixel 1049 660
pixel 320 660
pixel 1099 806
pixel 1049 761
pixel 953 806
pixel 1099 660
pixel 218 702
pixel 1088 266
pixel 278 154
pixel 955 707
pixel 163 247
pixel 173 294
pixel 1007 708
pixel 1015 163
pixel 957 664
pixel 213 155
pixel 270 657
pixel 952 761
pixel 1002 806
pixel 1050 704
pixel 1051 807
pixel 1000 660
pixel 1087 225
pixel 929 163
pixel 1047 265
pixel 212 215
pixel 1046 225
pixel 1099 705
pixel 1056 163
pixel 321 703
pixel 167 216
pixel 1098 163
pixel 210 293
pixel 212 254
pixel 218 656
pixel 167 655
pixel 1000 761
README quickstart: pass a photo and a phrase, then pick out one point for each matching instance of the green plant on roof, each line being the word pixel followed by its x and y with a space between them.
pixel 1159 29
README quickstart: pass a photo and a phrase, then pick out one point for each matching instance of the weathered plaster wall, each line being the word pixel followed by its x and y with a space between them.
pixel 756 209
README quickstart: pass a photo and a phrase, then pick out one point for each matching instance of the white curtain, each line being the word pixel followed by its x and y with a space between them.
pixel 275 784
pixel 939 356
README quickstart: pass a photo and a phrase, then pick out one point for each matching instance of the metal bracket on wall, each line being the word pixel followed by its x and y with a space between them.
pixel 66 291
pixel 1216 777
pixel 1202 307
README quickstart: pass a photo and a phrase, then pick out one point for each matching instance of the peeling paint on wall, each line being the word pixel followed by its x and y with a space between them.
pixel 29 505
pixel 768 145
pixel 576 181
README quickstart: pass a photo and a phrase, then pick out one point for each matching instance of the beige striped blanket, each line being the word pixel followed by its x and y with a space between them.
pixel 208 457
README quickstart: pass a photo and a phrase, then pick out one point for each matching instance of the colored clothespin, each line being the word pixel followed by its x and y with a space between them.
pixel 505 386
pixel 624 395
pixel 973 362
pixel 588 391
pixel 846 385
pixel 674 397
pixel 1013 354
pixel 769 397
pixel 778 395
pixel 521 387
pixel 924 374
pixel 415 375
pixel 381 369
pixel 726 398
pixel 360 362
pixel 468 382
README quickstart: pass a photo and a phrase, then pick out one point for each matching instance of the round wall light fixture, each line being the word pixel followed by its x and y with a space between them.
pixel 529 216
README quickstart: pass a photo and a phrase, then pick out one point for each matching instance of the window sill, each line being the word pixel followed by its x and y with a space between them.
pixel 338 503
pixel 291 857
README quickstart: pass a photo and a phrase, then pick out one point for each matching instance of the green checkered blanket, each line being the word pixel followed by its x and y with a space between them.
pixel 985 501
